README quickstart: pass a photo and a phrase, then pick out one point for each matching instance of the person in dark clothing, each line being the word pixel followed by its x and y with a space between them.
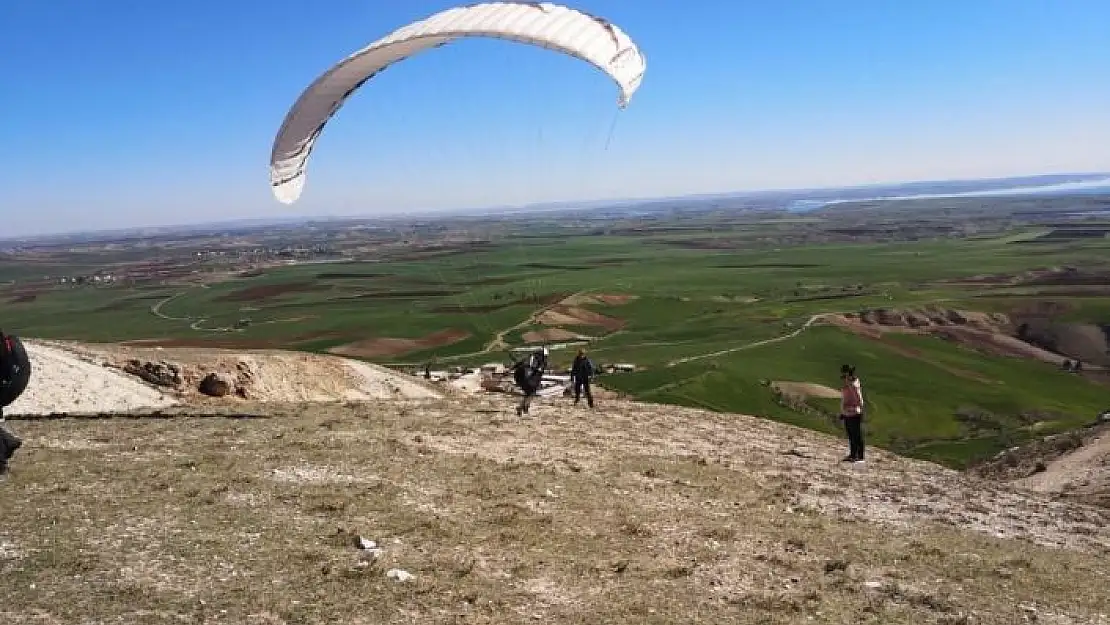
pixel 523 378
pixel 538 360
pixel 9 444
pixel 527 374
pixel 580 373
pixel 851 412
pixel 15 373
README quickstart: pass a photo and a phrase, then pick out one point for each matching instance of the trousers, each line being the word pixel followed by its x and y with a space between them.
pixel 853 425
pixel 580 386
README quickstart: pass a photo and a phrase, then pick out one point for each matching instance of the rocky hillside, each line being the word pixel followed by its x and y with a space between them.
pixel 1073 466
pixel 1031 334
pixel 91 377
pixel 451 509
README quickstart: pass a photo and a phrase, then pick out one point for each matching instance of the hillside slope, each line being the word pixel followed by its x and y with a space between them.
pixel 70 377
pixel 62 381
pixel 1073 466
pixel 1084 472
pixel 634 513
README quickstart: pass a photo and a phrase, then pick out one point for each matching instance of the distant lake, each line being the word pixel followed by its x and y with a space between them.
pixel 1089 187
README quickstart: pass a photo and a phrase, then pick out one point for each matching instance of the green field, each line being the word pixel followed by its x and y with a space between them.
pixel 696 292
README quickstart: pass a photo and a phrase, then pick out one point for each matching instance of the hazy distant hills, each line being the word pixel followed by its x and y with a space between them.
pixel 809 199
pixel 797 200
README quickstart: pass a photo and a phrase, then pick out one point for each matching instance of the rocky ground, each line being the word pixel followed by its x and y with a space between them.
pixel 88 377
pixel 1029 335
pixel 1071 466
pixel 63 381
pixel 452 510
pixel 334 491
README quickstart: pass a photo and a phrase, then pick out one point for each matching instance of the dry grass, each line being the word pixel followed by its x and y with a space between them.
pixel 631 514
pixel 379 347
pixel 563 315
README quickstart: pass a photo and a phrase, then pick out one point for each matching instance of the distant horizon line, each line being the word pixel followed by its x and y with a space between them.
pixel 557 204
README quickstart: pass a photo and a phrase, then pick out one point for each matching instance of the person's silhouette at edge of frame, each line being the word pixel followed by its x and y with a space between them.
pixel 15 373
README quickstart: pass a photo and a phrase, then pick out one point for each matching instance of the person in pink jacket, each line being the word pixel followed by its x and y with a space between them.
pixel 851 411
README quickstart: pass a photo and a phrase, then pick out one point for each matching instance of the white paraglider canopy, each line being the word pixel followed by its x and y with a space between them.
pixel 550 26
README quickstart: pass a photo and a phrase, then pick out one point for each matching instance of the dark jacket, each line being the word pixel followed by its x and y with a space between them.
pixel 537 362
pixel 582 369
pixel 527 373
pixel 15 368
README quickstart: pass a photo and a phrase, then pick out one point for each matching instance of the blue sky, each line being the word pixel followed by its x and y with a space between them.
pixel 126 113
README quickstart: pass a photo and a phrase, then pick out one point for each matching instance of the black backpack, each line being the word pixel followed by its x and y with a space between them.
pixel 520 372
pixel 15 368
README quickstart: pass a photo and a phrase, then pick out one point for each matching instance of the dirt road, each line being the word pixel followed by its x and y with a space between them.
pixel 806 325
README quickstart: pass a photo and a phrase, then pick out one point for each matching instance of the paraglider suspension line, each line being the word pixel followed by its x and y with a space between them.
pixel 612 127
